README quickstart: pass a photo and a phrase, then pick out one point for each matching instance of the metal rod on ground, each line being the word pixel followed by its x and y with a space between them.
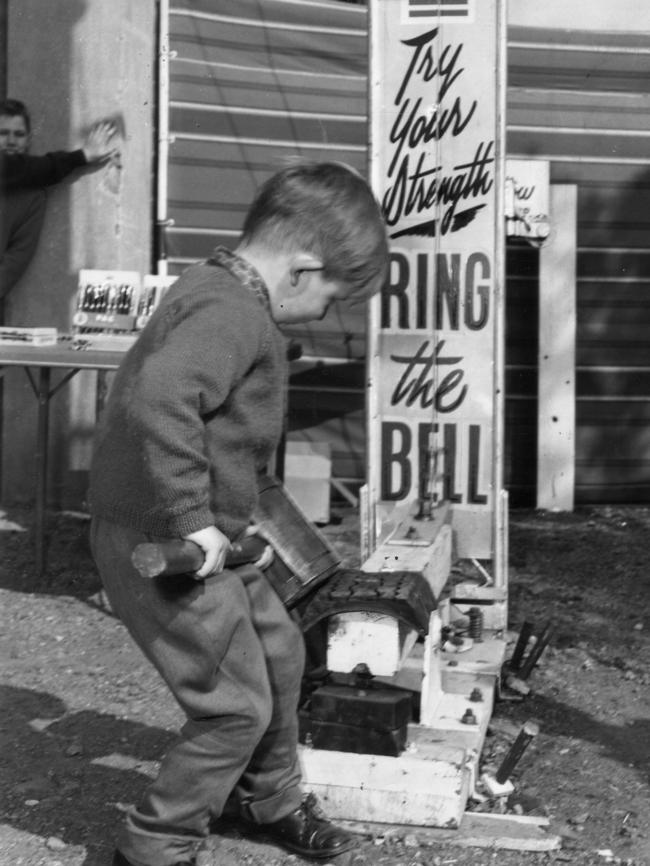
pixel 520 646
pixel 535 653
pixel 526 734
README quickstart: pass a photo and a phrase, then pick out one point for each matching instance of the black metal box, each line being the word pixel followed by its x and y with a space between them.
pixel 382 709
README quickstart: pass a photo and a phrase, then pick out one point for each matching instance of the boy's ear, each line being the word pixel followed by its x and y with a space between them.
pixel 301 262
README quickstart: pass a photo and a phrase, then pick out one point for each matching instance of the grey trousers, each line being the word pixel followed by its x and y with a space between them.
pixel 233 658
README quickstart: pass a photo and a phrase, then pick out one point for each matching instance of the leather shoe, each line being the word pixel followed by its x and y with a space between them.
pixel 306 831
pixel 120 860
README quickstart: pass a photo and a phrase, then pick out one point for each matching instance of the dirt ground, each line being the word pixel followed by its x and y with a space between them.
pixel 85 720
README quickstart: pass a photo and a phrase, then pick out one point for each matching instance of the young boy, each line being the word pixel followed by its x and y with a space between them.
pixel 195 413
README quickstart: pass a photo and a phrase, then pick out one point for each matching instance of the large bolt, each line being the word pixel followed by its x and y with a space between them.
pixel 469 718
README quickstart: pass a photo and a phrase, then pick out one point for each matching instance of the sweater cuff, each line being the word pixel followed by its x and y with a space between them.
pixel 79 158
pixel 192 521
pixel 185 524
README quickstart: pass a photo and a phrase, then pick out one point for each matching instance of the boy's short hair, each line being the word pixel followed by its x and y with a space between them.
pixel 15 108
pixel 327 209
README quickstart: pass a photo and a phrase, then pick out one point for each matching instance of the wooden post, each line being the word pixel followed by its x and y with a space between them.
pixel 556 368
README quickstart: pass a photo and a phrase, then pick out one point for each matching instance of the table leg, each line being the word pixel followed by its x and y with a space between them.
pixel 41 466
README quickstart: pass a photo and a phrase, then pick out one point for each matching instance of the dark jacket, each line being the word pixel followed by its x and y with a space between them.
pixel 24 171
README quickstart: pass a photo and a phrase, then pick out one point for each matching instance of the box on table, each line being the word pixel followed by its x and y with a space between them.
pixel 107 301
pixel 307 473
pixel 10 336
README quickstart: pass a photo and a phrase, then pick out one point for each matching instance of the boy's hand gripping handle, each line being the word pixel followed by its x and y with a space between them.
pixel 178 556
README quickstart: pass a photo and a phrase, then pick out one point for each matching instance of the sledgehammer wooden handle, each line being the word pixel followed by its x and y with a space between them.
pixel 159 559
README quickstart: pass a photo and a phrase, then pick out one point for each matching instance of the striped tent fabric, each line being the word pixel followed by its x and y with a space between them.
pixel 253 84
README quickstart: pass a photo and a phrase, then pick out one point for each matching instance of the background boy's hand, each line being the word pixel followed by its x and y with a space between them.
pixel 215 545
pixel 100 145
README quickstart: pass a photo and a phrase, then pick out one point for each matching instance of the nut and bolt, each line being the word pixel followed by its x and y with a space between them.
pixel 469 718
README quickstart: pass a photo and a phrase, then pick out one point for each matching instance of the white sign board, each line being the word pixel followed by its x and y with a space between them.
pixel 527 195
pixel 434 420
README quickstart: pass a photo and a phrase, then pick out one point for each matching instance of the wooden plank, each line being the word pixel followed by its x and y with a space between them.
pixel 480 830
pixel 461 681
pixel 431 693
pixel 484 657
pixel 478 667
pixel 557 328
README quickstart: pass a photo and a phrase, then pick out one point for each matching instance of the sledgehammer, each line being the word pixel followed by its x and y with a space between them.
pixel 500 785
pixel 516 681
pixel 178 556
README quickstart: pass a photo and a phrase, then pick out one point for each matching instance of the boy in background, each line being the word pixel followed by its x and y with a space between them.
pixel 22 181
pixel 194 415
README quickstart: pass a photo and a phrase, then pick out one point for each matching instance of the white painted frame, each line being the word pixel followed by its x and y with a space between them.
pixel 162 169
pixel 557 355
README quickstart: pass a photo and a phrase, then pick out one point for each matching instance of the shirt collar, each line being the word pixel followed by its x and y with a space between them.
pixel 247 275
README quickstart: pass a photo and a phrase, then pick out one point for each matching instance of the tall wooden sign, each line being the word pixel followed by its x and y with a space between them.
pixel 437 84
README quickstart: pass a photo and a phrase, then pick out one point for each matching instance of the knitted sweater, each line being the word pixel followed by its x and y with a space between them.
pixel 195 410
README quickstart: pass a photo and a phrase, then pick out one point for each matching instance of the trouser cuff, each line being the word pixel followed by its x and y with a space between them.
pixel 272 808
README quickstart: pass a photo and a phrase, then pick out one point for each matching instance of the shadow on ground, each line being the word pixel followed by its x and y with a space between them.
pixel 66 774
pixel 69 567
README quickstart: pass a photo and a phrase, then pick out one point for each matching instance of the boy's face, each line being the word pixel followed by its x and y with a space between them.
pixel 14 136
pixel 308 298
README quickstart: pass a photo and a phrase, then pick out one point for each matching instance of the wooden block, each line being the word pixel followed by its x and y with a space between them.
pixel 380 641
pixel 450 712
pixel 463 682
pixel 478 667
pixel 444 727
pixel 482 659
pixel 429 557
pixel 430 789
